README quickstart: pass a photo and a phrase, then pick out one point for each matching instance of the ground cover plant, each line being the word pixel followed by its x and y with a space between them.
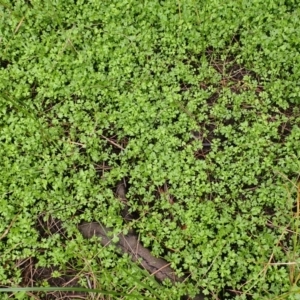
pixel 194 105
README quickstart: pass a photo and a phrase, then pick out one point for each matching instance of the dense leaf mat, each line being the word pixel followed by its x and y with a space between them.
pixel 193 104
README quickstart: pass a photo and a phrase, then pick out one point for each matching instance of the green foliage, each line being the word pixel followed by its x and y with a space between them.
pixel 93 92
